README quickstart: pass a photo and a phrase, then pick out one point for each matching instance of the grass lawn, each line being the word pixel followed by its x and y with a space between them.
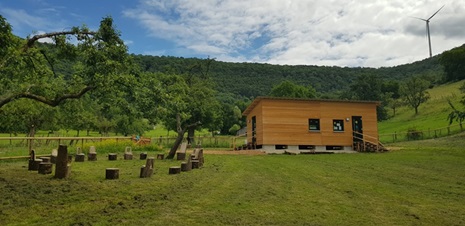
pixel 419 183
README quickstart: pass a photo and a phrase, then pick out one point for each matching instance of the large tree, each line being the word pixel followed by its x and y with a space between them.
pixel 289 89
pixel 29 68
pixel 182 102
pixel 414 92
pixel 368 87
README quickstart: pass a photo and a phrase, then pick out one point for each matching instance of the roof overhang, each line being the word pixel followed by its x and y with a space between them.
pixel 257 100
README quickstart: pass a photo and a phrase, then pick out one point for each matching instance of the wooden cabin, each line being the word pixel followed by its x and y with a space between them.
pixel 276 125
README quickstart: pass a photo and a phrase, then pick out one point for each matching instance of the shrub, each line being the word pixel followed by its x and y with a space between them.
pixel 413 134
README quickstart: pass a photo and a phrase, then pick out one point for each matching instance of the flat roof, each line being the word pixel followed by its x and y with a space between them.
pixel 260 98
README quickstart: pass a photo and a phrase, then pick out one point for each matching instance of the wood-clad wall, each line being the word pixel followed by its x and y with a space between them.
pixel 286 121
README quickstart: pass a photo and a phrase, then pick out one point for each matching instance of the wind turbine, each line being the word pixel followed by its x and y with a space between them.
pixel 427 28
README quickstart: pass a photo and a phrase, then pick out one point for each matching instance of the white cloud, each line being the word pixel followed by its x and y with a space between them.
pixel 26 23
pixel 336 32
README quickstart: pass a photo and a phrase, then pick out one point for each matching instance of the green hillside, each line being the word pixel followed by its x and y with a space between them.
pixel 432 115
pixel 257 79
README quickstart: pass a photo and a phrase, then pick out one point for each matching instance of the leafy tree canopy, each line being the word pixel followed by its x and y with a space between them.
pixel 290 89
pixel 29 68
pixel 414 92
pixel 453 62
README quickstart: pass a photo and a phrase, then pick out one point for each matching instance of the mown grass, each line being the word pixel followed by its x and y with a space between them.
pixel 420 183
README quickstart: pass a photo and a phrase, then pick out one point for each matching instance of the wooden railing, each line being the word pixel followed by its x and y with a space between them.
pixel 368 139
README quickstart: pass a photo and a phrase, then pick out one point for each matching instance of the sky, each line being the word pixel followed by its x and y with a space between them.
pixel 345 33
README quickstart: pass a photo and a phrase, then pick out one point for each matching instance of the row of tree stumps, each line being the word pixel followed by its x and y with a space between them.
pixel 62 162
pixel 194 161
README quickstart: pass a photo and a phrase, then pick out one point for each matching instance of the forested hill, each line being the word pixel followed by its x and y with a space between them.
pixel 256 79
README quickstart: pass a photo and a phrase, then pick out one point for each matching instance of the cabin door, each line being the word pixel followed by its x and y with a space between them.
pixel 357 128
pixel 254 131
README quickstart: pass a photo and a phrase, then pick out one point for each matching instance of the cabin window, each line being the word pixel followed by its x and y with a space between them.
pixel 331 147
pixel 314 124
pixel 306 147
pixel 338 125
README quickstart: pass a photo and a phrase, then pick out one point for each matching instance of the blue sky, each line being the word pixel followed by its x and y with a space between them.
pixel 357 33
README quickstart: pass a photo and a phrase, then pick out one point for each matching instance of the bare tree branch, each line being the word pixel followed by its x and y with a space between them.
pixel 51 102
pixel 31 41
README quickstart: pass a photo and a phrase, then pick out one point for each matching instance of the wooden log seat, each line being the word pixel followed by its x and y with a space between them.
pixel 45 159
pixel 34 164
pixel 112 156
pixel 45 168
pixel 195 164
pixel 174 170
pixel 147 169
pixel 111 173
pixel 80 157
pixel 92 157
pixel 128 153
pixel 181 156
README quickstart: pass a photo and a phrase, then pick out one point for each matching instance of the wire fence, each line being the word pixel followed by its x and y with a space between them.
pixel 420 134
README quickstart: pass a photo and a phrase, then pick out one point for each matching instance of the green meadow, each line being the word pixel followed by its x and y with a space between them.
pixel 416 183
pixel 431 119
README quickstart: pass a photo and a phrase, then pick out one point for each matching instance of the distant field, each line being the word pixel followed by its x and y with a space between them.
pixel 419 183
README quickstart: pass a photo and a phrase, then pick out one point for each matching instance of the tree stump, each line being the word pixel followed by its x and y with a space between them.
pixel 92 157
pixel 181 156
pixel 147 169
pixel 128 153
pixel 201 158
pixel 195 164
pixel 127 156
pixel 45 159
pixel 198 155
pixel 184 167
pixel 32 161
pixel 161 156
pixel 34 164
pixel 53 156
pixel 62 168
pixel 174 170
pixel 112 156
pixel 143 156
pixel 45 168
pixel 111 173
pixel 80 157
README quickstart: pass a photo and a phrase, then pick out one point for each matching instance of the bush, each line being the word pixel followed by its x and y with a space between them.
pixel 413 134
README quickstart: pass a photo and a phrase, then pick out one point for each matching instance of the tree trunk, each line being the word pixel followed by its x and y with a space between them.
pixel 416 110
pixel 62 166
pixel 191 136
pixel 176 144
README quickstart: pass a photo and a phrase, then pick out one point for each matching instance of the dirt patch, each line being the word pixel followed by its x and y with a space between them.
pixel 241 152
